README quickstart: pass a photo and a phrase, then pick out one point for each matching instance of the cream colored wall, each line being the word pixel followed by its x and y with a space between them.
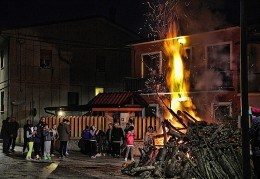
pixel 4 78
pixel 32 86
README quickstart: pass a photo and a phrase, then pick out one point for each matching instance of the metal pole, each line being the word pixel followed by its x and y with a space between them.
pixel 244 90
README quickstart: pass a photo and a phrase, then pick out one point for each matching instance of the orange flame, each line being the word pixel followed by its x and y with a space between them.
pixel 178 76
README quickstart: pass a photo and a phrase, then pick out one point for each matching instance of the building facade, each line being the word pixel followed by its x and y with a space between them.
pixel 61 64
pixel 213 61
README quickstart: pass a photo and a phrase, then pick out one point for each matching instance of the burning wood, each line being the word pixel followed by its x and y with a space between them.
pixel 205 151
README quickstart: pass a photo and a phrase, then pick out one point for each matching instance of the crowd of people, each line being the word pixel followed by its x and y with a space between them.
pixel 40 139
pixel 114 142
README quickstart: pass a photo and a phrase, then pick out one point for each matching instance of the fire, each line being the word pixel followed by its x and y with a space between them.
pixel 178 75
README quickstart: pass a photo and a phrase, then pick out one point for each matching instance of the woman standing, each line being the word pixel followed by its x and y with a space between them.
pixel 54 137
pixel 30 134
pixel 47 142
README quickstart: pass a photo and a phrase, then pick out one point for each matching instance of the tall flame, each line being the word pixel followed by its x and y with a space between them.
pixel 178 76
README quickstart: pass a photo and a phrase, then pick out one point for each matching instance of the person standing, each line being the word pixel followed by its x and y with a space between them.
pixel 109 138
pixel 37 143
pixel 85 141
pixel 93 142
pixel 40 127
pixel 254 133
pixel 25 128
pixel 130 143
pixel 47 142
pixel 117 135
pixel 64 134
pixel 6 135
pixel 14 126
pixel 55 136
pixel 148 138
pixel 30 134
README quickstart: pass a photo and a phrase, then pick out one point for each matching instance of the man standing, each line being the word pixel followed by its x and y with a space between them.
pixel 117 135
pixel 14 126
pixel 6 135
pixel 64 134
pixel 39 135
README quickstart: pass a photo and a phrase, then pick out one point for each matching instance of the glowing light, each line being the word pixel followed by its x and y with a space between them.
pixel 181 40
pixel 98 90
pixel 61 113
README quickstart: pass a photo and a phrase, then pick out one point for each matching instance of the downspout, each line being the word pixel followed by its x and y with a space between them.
pixel 9 81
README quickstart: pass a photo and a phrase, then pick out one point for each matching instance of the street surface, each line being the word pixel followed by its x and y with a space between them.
pixel 76 165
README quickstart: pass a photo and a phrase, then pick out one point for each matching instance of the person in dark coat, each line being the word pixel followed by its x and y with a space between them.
pixel 93 142
pixel 25 139
pixel 14 126
pixel 6 135
pixel 84 142
pixel 64 135
pixel 40 137
pixel 117 136
pixel 254 133
pixel 109 139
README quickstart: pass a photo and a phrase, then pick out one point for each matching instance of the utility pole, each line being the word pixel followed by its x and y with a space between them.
pixel 244 90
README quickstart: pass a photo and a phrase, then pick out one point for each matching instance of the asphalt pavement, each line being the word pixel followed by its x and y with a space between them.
pixel 76 165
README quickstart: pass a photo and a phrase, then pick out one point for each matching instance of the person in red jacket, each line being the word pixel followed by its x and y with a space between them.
pixel 130 143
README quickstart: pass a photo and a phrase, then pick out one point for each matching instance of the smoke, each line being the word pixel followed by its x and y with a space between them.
pixel 208 80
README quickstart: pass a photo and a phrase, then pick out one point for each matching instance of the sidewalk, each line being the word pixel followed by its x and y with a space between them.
pixel 76 165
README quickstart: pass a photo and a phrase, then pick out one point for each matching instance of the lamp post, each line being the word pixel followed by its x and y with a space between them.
pixel 244 90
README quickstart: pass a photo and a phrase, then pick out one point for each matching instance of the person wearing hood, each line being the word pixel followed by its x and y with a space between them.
pixel 64 134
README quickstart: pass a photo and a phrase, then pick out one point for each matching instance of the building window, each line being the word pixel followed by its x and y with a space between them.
pixel 73 98
pixel 2 102
pixel 1 59
pixel 98 90
pixel 45 58
pixel 100 63
pixel 222 110
pixel 151 64
pixel 219 60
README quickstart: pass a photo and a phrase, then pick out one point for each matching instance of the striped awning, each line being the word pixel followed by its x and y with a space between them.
pixel 118 99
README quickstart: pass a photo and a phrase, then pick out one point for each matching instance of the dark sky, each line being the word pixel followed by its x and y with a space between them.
pixel 129 13
pixel 26 12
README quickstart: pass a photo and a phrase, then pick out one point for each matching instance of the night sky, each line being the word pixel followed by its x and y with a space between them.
pixel 128 13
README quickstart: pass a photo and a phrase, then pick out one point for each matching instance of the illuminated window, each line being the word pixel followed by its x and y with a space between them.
pixel 45 58
pixel 151 64
pixel 98 90
pixel 2 59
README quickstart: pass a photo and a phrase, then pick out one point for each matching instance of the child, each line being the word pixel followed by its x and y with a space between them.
pixel 130 143
pixel 30 134
pixel 148 139
pixel 55 136
pixel 47 142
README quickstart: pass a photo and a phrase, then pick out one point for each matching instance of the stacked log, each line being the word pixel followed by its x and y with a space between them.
pixel 205 151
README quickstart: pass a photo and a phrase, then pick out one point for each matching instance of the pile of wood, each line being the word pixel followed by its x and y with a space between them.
pixel 204 151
